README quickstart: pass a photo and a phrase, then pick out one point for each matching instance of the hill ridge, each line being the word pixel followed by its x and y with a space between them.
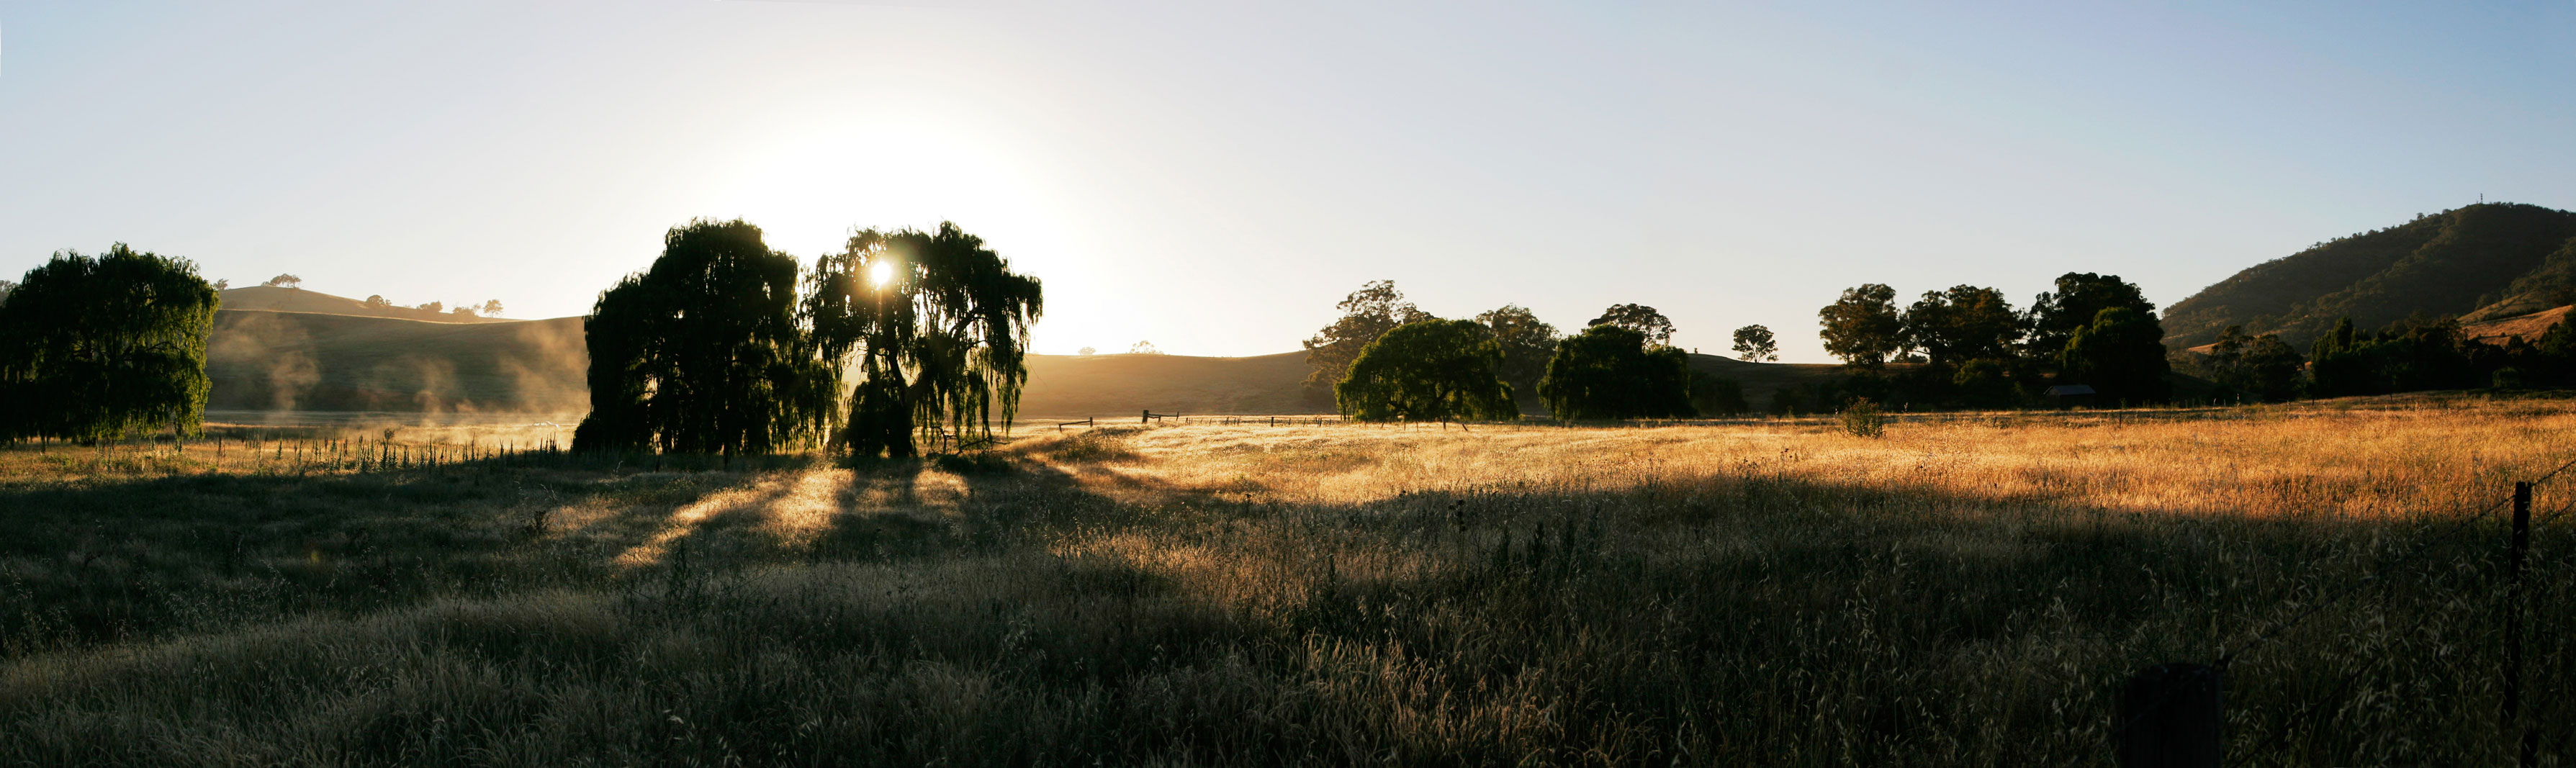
pixel 2487 261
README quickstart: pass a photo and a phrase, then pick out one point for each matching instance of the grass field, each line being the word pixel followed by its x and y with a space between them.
pixel 1969 589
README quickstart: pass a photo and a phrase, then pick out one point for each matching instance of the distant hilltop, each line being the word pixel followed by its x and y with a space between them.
pixel 2486 264
pixel 276 299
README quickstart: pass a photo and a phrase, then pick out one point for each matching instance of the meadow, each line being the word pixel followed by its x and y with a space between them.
pixel 1967 589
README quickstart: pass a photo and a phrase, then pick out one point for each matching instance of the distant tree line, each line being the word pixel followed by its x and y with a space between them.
pixel 104 347
pixel 1386 360
pixel 1967 347
pixel 2420 352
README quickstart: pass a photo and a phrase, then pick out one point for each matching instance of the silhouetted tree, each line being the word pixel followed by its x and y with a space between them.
pixel 1608 372
pixel 2262 366
pixel 377 302
pixel 942 341
pixel 1433 370
pixel 1863 327
pixel 1143 348
pixel 2121 355
pixel 1643 319
pixel 434 307
pixel 1961 324
pixel 1367 313
pixel 223 284
pixel 284 281
pixel 1087 352
pixel 97 347
pixel 492 308
pixel 462 310
pixel 1753 344
pixel 703 352
pixel 1527 344
pixel 2080 296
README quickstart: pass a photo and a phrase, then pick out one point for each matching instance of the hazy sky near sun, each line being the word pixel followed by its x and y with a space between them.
pixel 1214 176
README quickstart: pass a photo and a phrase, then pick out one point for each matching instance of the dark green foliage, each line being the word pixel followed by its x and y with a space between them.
pixel 1643 319
pixel 2440 264
pixel 2120 355
pixel 703 353
pixel 1862 418
pixel 2080 296
pixel 1367 313
pixel 1608 372
pixel 100 347
pixel 1712 395
pixel 1754 344
pixel 1527 344
pixel 1986 384
pixel 2260 367
pixel 1962 324
pixel 1863 328
pixel 2416 354
pixel 942 341
pixel 1433 370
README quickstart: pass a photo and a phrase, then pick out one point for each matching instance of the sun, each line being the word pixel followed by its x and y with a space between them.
pixel 880 273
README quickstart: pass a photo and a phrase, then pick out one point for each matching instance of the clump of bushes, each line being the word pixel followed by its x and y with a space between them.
pixel 1863 419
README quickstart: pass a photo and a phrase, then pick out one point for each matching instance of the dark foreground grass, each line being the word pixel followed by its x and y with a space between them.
pixel 1051 606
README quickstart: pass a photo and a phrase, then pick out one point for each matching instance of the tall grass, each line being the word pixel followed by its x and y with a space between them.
pixel 1962 590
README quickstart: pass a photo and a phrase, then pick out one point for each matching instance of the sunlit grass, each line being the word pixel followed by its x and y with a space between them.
pixel 1967 589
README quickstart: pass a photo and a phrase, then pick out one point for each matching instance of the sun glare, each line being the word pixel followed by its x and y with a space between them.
pixel 880 273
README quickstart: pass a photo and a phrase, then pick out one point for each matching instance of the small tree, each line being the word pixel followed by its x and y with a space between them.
pixel 1143 348
pixel 377 302
pixel 1753 344
pixel 1643 319
pixel 1607 372
pixel 1864 327
pixel 434 307
pixel 1087 352
pixel 1434 370
pixel 462 310
pixel 284 281
pixel 1367 313
pixel 97 347
pixel 223 284
pixel 492 308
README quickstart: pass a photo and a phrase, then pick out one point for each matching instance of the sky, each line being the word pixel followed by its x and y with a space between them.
pixel 1213 177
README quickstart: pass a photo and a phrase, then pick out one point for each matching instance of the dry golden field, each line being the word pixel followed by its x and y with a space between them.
pixel 1968 589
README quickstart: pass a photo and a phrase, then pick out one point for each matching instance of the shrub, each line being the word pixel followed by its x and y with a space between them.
pixel 1863 419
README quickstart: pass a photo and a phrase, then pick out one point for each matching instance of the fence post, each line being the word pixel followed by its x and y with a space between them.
pixel 2521 543
pixel 2169 716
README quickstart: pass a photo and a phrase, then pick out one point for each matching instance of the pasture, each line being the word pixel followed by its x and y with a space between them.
pixel 1969 589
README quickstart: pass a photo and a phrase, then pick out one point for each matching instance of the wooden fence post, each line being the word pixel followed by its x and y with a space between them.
pixel 2513 598
pixel 2169 716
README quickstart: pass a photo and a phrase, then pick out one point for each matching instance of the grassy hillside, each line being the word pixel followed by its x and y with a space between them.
pixel 300 300
pixel 325 362
pixel 2507 256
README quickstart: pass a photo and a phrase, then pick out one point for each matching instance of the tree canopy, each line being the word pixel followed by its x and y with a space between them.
pixel 1526 341
pixel 99 347
pixel 2080 296
pixel 704 352
pixel 1864 327
pixel 1367 313
pixel 1432 370
pixel 1962 324
pixel 1754 344
pixel 1608 372
pixel 1643 319
pixel 2121 355
pixel 940 325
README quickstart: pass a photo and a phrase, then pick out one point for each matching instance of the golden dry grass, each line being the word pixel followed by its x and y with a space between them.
pixel 1967 590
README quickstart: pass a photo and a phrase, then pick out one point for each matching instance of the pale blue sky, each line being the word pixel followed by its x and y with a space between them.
pixel 1214 176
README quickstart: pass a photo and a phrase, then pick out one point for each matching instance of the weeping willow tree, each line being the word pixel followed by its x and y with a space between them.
pixel 100 347
pixel 704 352
pixel 939 327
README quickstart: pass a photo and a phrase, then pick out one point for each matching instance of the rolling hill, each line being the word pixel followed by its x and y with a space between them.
pixel 300 300
pixel 308 361
pixel 2485 262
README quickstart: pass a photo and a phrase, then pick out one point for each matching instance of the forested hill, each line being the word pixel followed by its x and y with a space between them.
pixel 276 299
pixel 2484 262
